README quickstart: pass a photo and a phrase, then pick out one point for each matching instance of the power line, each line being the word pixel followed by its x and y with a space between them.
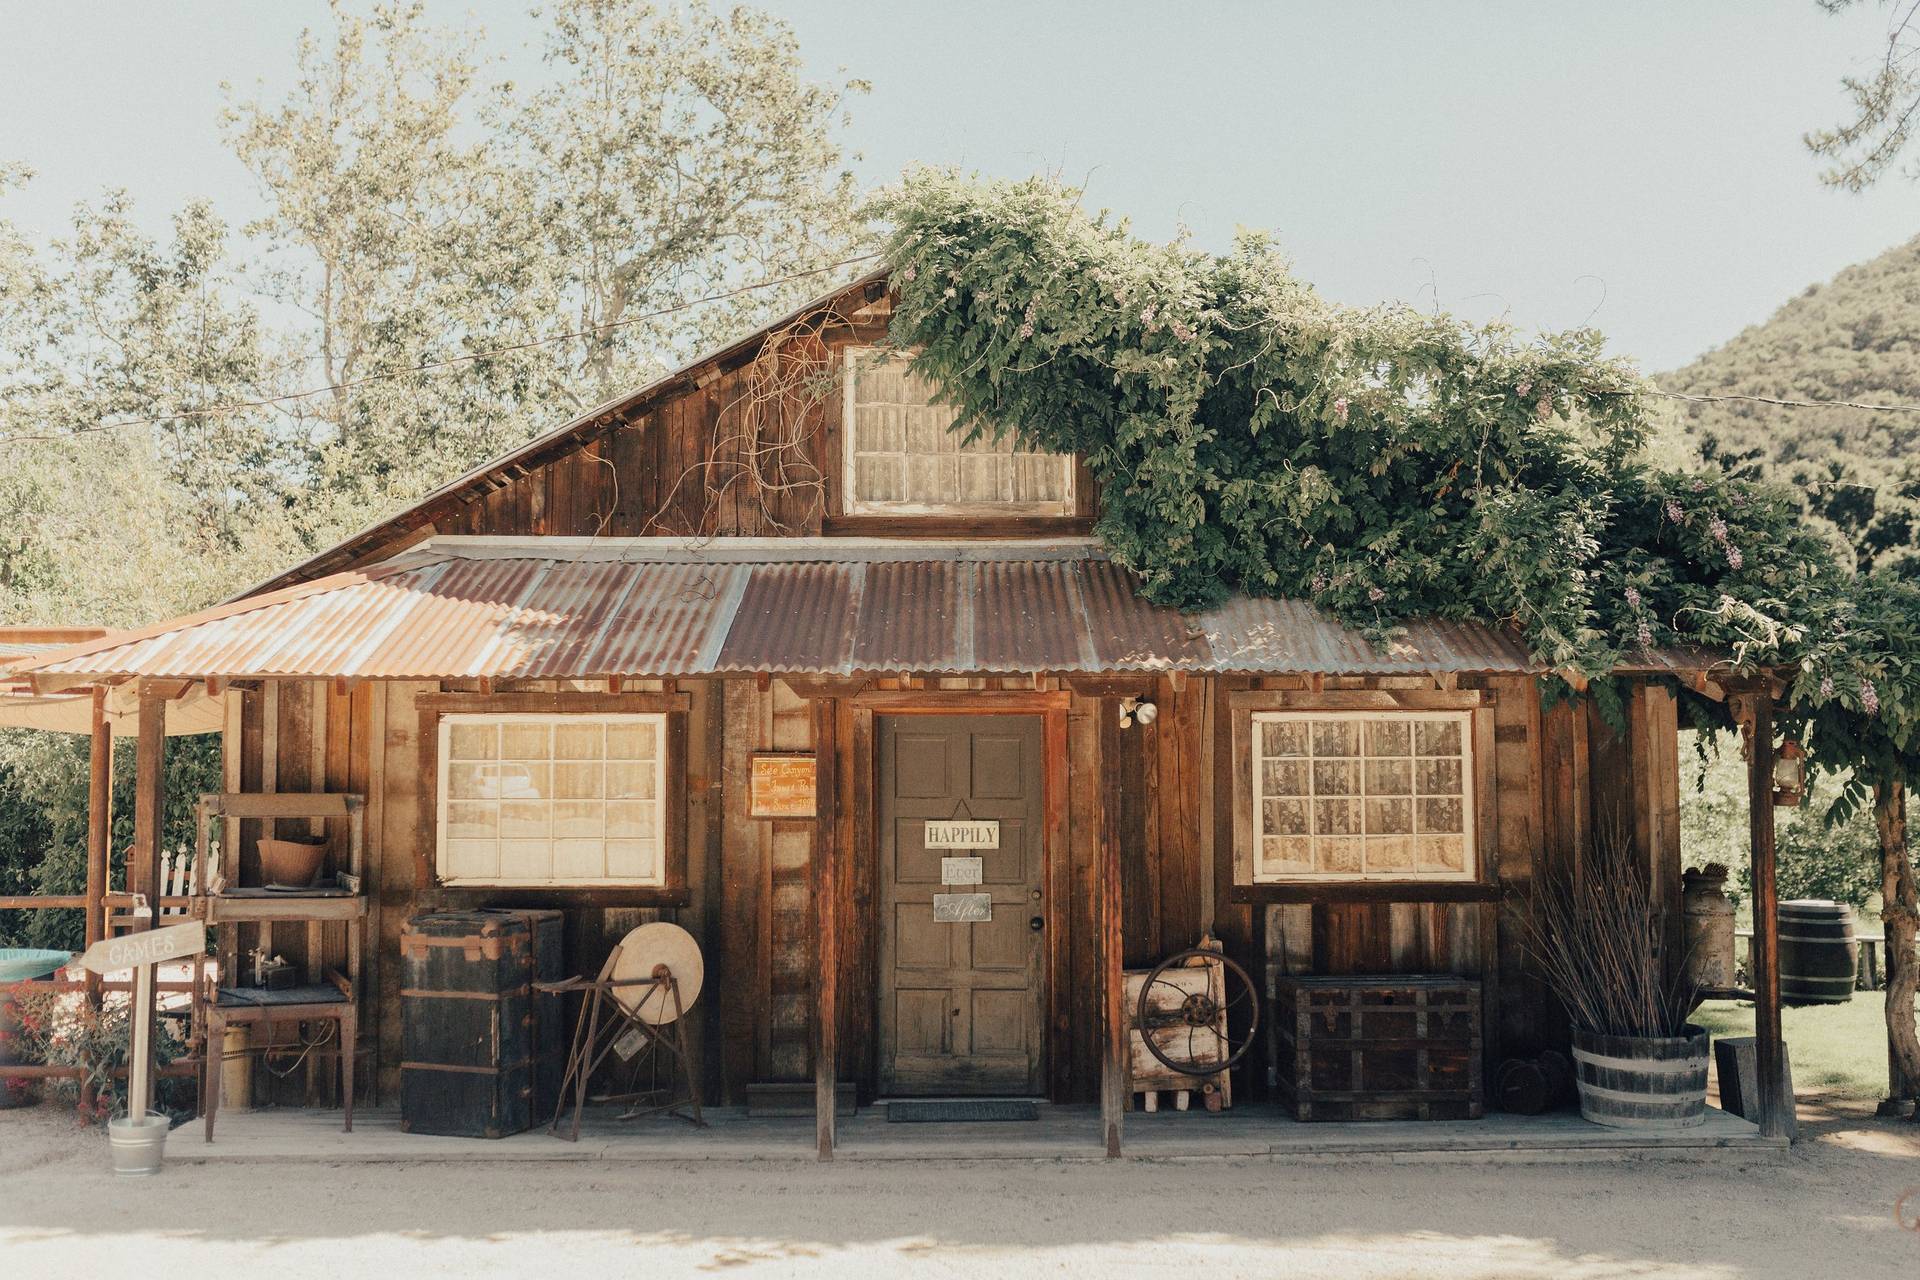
pixel 1785 403
pixel 235 406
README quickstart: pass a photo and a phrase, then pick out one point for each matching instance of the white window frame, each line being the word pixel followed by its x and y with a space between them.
pixel 855 505
pixel 442 798
pixel 1469 816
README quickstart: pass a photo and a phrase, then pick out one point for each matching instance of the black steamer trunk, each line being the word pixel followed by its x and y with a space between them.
pixel 482 1050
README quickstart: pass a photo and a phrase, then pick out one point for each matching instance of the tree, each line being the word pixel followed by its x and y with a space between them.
pixel 678 154
pixel 1886 106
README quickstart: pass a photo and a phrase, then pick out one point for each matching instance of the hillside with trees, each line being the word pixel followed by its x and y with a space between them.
pixel 1855 338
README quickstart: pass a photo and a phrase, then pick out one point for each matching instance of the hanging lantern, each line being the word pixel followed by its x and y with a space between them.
pixel 1789 774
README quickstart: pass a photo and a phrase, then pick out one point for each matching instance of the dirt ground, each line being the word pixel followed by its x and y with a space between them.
pixel 1829 1211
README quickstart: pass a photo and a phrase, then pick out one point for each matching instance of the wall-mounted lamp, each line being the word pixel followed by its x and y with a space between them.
pixel 1789 774
pixel 1137 710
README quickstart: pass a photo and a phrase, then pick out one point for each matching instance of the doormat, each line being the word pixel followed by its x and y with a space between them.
pixel 961 1110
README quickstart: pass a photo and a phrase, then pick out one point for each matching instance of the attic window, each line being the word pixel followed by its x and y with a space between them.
pixel 903 459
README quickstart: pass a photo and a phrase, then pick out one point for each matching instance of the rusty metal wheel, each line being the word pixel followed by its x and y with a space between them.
pixel 1190 1012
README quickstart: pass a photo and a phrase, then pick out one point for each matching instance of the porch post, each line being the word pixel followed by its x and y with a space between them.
pixel 826 858
pixel 1775 1107
pixel 99 831
pixel 1113 1074
pixel 149 813
pixel 99 821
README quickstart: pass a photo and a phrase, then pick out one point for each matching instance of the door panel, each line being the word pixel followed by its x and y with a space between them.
pixel 961 1005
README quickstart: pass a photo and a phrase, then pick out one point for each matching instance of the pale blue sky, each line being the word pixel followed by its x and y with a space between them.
pixel 1638 163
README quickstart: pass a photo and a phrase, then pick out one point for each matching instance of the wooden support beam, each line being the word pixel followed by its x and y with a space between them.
pixel 149 814
pixel 826 870
pixel 99 816
pixel 1756 707
pixel 1113 1065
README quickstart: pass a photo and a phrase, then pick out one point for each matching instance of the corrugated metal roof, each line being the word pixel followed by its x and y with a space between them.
pixel 584 608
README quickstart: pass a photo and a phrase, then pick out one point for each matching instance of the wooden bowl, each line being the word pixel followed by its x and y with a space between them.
pixel 292 863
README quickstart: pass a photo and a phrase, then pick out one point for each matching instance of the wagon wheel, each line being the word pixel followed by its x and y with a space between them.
pixel 1191 1032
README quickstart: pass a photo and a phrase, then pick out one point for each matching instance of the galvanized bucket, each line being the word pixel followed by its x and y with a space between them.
pixel 139 1146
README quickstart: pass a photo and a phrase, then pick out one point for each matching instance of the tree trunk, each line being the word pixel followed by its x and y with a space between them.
pixel 1900 915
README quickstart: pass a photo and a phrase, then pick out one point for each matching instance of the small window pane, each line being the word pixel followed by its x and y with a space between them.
pixel 470 820
pixel 574 819
pixel 1339 856
pixel 631 859
pixel 1336 738
pixel 1437 738
pixel 1336 817
pixel 1440 815
pixel 526 859
pixel 1336 778
pixel 473 781
pixel 1390 817
pixel 579 859
pixel 1284 738
pixel 578 741
pixel 522 819
pixel 1388 737
pixel 1286 817
pixel 633 740
pixel 526 781
pixel 473 741
pixel 522 741
pixel 579 781
pixel 1439 777
pixel 1389 777
pixel 1443 853
pixel 1392 854
pixel 631 780
pixel 1289 854
pixel 472 857
pixel 1284 777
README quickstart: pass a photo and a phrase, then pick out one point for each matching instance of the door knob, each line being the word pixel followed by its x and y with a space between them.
pixel 1037 923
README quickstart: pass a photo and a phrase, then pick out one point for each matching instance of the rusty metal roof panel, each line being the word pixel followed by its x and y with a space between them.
pixel 1130 634
pixel 795 617
pixel 1027 616
pixel 911 618
pixel 570 608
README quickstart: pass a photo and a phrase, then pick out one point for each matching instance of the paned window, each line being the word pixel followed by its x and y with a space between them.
pixel 902 458
pixel 1362 795
pixel 531 799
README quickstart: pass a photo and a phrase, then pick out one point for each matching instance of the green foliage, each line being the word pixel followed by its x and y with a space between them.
pixel 1249 435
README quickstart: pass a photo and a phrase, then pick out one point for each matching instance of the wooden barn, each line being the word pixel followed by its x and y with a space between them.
pixel 763 649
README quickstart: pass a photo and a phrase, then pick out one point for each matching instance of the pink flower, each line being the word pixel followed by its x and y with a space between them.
pixel 1718 528
pixel 1148 315
pixel 1319 583
pixel 1340 408
pixel 1869 697
pixel 1674 513
pixel 1376 595
pixel 1699 486
pixel 1633 597
pixel 1025 330
pixel 1544 409
pixel 1826 686
pixel 1734 558
pixel 1523 390
pixel 1645 636
pixel 910 274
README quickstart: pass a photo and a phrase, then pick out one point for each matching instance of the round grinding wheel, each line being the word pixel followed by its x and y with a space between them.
pixel 646 947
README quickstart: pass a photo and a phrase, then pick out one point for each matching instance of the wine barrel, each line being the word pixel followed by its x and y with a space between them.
pixel 1818 953
pixel 1633 1082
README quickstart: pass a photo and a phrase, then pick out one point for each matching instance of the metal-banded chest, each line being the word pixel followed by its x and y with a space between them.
pixel 1399 1047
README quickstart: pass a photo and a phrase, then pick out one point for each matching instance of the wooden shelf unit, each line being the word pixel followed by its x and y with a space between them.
pixel 265 912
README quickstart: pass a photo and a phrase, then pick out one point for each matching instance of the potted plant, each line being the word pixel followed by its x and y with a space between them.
pixel 1638 1062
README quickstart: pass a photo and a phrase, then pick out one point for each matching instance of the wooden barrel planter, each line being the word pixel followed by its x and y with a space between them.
pixel 1634 1082
pixel 1819 955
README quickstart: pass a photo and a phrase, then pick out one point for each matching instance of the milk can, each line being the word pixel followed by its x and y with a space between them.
pixel 1709 926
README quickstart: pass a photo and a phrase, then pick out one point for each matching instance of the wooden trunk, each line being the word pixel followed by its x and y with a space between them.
pixel 1400 1048
pixel 483 1050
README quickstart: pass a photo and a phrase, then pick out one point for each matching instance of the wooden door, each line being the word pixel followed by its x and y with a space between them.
pixel 962 1006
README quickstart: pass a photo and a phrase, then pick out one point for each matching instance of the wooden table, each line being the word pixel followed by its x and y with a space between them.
pixel 331 1001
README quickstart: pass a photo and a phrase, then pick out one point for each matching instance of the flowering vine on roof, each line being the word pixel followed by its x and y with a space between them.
pixel 1385 463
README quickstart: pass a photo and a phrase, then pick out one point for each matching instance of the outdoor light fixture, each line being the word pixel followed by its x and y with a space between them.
pixel 1137 709
pixel 1789 774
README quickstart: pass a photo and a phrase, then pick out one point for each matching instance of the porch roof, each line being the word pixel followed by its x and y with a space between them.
pixel 551 608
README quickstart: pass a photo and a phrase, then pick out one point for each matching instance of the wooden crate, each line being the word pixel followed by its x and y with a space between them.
pixel 1398 1047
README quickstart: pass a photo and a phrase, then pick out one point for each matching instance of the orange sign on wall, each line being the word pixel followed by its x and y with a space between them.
pixel 783 787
